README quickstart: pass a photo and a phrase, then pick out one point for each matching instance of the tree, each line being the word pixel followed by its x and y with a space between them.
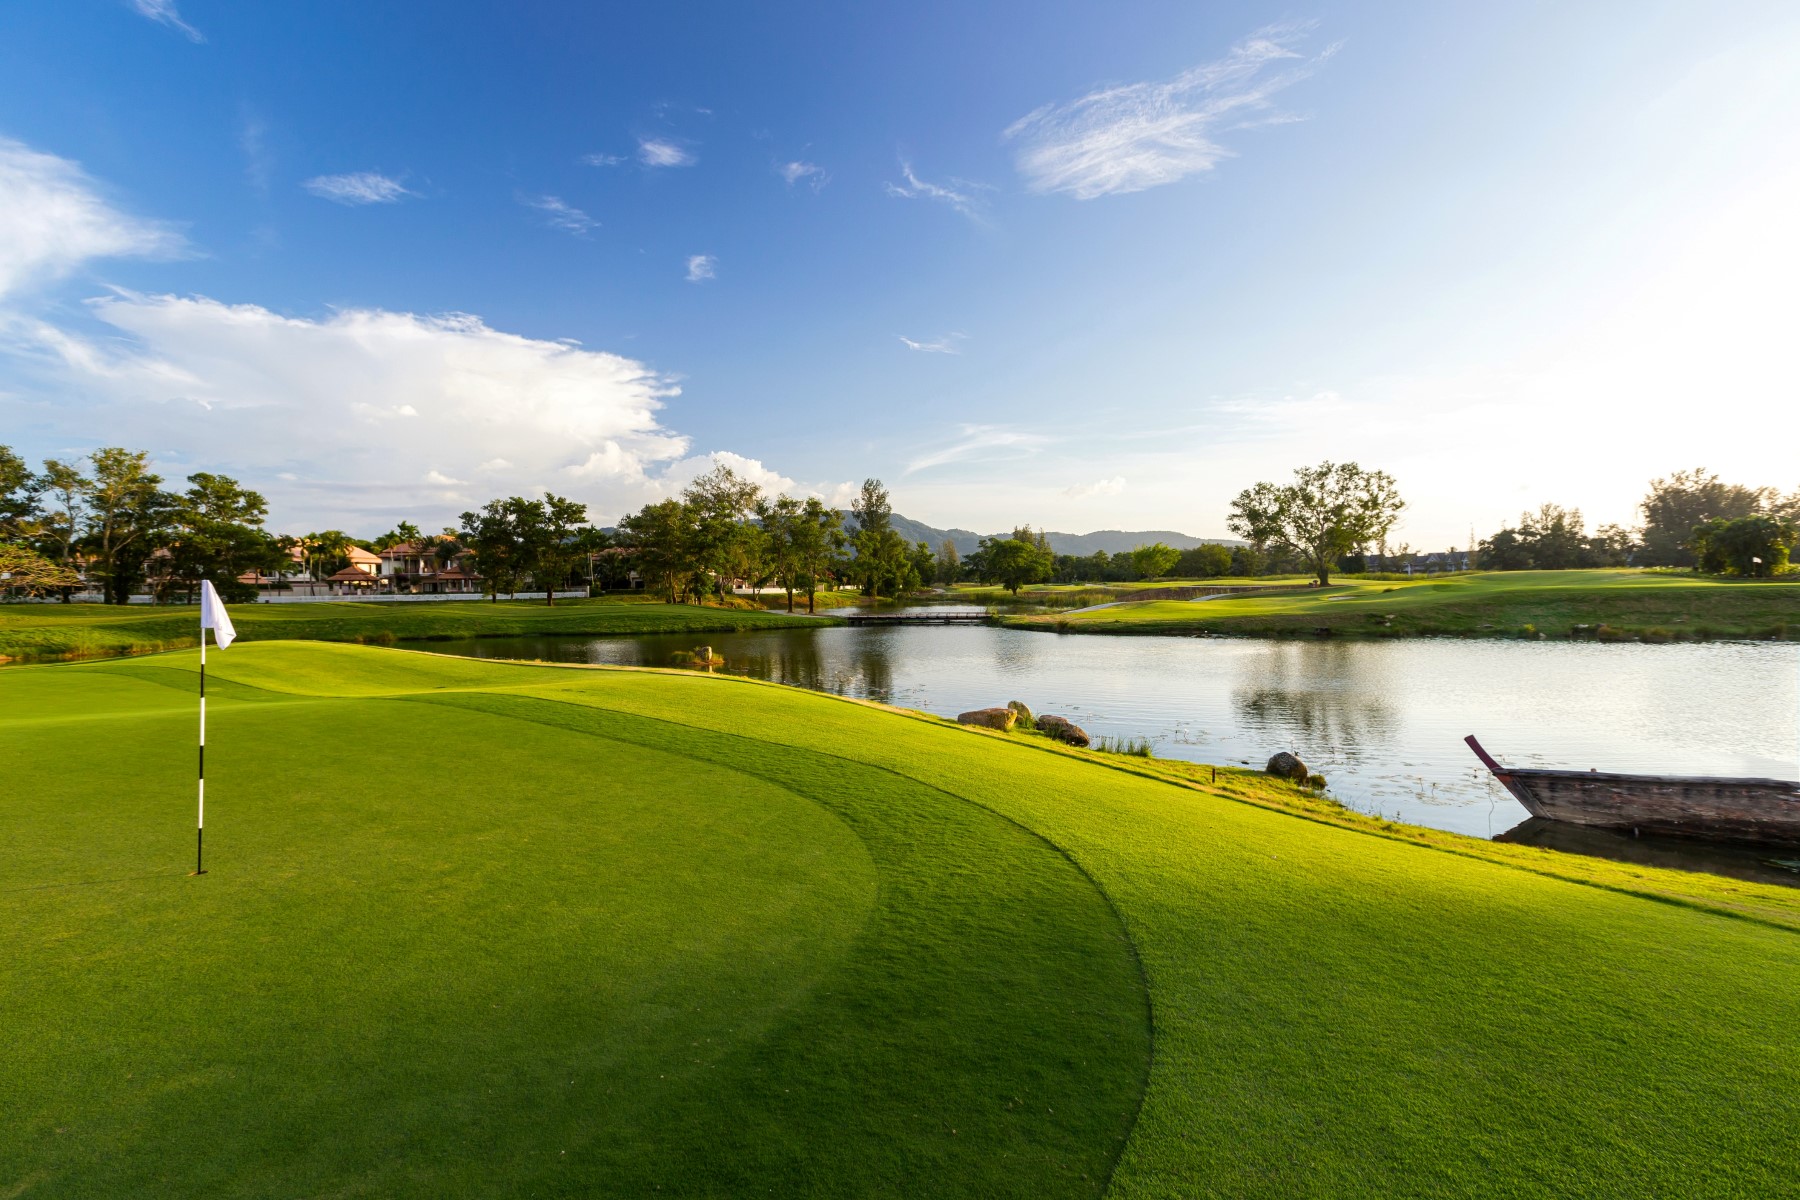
pixel 818 542
pixel 1016 561
pixel 659 538
pixel 25 571
pixel 1756 546
pixel 61 519
pixel 1325 513
pixel 924 563
pixel 949 563
pixel 873 513
pixel 218 536
pixel 326 553
pixel 1683 502
pixel 551 535
pixel 1208 560
pixel 722 541
pixel 1153 561
pixel 492 535
pixel 18 496
pixel 128 515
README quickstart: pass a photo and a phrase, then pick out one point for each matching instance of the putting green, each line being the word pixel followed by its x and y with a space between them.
pixel 487 929
pixel 497 946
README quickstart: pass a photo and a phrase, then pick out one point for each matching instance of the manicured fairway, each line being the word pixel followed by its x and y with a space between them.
pixel 483 929
pixel 1663 606
pixel 50 631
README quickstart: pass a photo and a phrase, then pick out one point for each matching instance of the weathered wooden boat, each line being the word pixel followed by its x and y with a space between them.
pixel 1765 811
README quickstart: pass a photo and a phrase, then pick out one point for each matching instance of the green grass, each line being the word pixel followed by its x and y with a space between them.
pixel 482 929
pixel 1611 604
pixel 31 632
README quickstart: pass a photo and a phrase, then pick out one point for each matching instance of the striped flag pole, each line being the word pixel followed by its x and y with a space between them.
pixel 213 617
pixel 200 821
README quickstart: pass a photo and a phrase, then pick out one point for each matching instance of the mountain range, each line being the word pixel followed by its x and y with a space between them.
pixel 1113 541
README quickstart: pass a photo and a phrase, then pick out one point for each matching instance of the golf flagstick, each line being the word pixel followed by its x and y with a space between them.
pixel 213 617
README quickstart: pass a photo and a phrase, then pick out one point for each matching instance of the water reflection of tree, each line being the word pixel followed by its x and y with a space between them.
pixel 1317 697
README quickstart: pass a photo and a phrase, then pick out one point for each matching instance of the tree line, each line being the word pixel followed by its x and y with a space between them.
pixel 1690 519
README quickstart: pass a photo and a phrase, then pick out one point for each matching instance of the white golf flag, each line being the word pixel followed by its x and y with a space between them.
pixel 213 615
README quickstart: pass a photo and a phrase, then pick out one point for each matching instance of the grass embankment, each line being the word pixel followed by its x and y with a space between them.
pixel 488 929
pixel 36 632
pixel 1608 605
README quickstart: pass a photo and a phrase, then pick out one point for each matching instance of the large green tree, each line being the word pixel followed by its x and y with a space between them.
pixel 1757 545
pixel 1154 561
pixel 1015 561
pixel 128 517
pixel 660 538
pixel 18 497
pixel 724 542
pixel 554 535
pixel 1682 503
pixel 875 552
pixel 1326 512
pixel 491 533
pixel 218 535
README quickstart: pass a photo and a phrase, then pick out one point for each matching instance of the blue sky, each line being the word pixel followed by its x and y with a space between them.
pixel 1084 266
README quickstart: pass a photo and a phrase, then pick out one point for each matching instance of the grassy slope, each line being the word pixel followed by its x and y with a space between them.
pixel 1335 1013
pixel 1630 603
pixel 50 631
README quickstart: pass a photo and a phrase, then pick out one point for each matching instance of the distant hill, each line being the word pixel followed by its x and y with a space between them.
pixel 1110 540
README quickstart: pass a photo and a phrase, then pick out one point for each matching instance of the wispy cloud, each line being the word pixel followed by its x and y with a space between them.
pixel 701 267
pixel 602 160
pixel 163 13
pixel 53 219
pixel 1142 135
pixel 560 214
pixel 944 345
pixel 660 152
pixel 962 195
pixel 259 163
pixel 980 442
pixel 1100 487
pixel 358 187
pixel 811 174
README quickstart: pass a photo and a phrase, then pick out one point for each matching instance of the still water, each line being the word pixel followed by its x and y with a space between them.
pixel 1383 721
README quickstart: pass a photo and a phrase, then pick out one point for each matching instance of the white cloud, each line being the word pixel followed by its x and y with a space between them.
pixel 701 267
pixel 964 196
pixel 163 13
pixel 658 152
pixel 358 187
pixel 53 219
pixel 1100 487
pixel 980 443
pixel 797 172
pixel 602 160
pixel 1142 135
pixel 376 412
pixel 944 345
pixel 559 214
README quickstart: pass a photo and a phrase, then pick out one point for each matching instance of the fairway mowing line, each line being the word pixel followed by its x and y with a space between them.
pixel 1131 944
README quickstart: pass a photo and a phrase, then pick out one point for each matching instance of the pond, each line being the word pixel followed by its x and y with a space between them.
pixel 1382 720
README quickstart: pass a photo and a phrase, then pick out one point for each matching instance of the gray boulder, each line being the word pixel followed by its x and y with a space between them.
pixel 1287 766
pixel 1063 730
pixel 1018 706
pixel 989 718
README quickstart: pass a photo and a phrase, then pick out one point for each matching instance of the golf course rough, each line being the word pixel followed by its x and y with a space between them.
pixel 474 928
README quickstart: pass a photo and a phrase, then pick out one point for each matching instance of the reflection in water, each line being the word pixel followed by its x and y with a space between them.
pixel 1761 864
pixel 1383 721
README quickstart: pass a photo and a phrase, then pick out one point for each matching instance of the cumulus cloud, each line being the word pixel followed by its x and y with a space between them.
pixel 1142 135
pixel 373 412
pixel 701 267
pixel 660 152
pixel 1099 487
pixel 53 219
pixel 163 12
pixel 962 195
pixel 803 172
pixel 357 187
pixel 948 344
pixel 559 214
